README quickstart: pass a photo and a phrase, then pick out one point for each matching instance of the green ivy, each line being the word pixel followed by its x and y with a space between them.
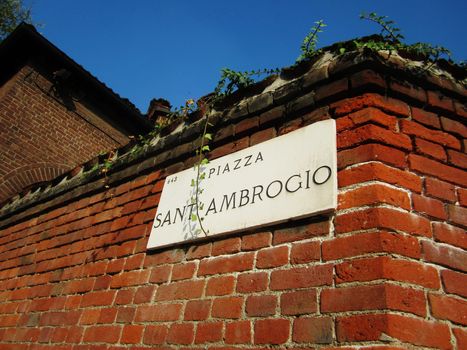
pixel 308 46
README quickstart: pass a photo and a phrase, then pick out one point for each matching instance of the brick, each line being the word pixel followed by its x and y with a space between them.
pixel 457 214
pixel 430 149
pixel 454 282
pixel 158 312
pixel 181 333
pixel 272 115
pixel 100 298
pixel 406 329
pixel 252 282
pixel 209 332
pixel 374 268
pixel 130 278
pixel 246 124
pixel 107 315
pixel 132 334
pixel 115 266
pixel 272 257
pixel 438 100
pixel 373 194
pixel 262 136
pixel 261 305
pixel 301 277
pixel 374 242
pixel 180 290
pixel 199 251
pixel 232 147
pixel 378 171
pixel 426 118
pixel 371 151
pixel 375 116
pixel 227 307
pixel 316 330
pixel 385 218
pixel 238 332
pixel 102 334
pixel 445 256
pixel 166 257
pixel 388 104
pixel 144 294
pixel 124 296
pixel 226 246
pixel 290 126
pixel 197 310
pixel 369 132
pixel 429 206
pixel 457 158
pixel 440 189
pixel 373 297
pixel 263 334
pixel 102 282
pixel 302 253
pixel 454 127
pixel 410 127
pixel 403 87
pixel 222 285
pixel 367 77
pixel 450 234
pixel 330 89
pixel 256 241
pixel 134 262
pixel 126 314
pixel 155 334
pixel 299 302
pixel 461 337
pixel 224 133
pixel 293 234
pixel 234 263
pixel 160 274
pixel 183 271
pixel 89 317
pixel 436 169
pixel 462 193
pixel 448 308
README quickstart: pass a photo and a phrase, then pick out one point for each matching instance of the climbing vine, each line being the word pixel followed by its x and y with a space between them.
pixel 308 46
pixel 393 40
pixel 389 39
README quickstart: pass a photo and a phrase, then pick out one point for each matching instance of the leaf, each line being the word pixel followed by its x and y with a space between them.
pixel 208 136
pixel 194 217
pixel 204 161
pixel 205 148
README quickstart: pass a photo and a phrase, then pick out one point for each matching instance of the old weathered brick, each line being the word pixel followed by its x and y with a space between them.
pixel 263 334
pixel 448 308
pixel 316 330
pixel 238 332
pixel 261 305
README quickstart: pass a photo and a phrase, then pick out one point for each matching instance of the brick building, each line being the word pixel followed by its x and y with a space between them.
pixel 54 115
pixel 384 270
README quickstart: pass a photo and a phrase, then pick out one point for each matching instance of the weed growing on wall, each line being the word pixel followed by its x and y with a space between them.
pixel 390 39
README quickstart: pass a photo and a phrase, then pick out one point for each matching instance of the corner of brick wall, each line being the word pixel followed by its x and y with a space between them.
pixel 385 271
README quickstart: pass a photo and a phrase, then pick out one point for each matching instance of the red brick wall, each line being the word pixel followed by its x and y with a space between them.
pixel 385 271
pixel 40 139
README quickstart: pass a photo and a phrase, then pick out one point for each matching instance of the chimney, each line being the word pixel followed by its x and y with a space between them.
pixel 158 111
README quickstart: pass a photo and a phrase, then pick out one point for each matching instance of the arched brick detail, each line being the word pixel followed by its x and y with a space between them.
pixel 21 178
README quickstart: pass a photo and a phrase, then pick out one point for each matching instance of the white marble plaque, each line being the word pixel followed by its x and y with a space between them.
pixel 288 177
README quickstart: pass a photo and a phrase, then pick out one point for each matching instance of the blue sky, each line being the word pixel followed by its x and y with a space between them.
pixel 174 49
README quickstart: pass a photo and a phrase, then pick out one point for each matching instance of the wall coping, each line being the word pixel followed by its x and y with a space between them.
pixel 293 90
